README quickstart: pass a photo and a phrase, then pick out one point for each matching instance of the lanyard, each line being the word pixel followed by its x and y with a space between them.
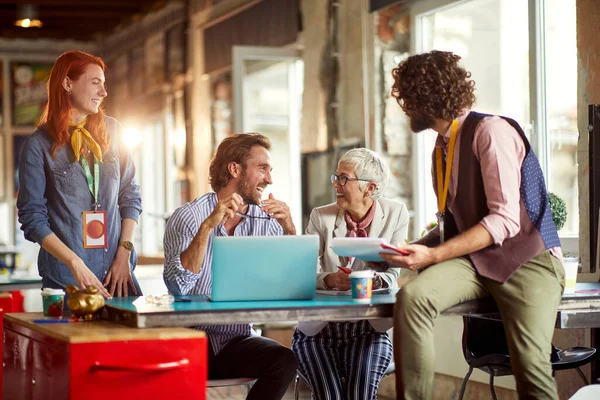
pixel 442 184
pixel 93 182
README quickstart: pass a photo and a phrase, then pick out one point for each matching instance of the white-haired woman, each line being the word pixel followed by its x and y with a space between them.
pixel 347 359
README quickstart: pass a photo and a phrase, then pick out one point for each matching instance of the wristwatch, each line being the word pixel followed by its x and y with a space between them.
pixel 127 244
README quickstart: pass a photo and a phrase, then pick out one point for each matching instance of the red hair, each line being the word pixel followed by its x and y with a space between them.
pixel 58 109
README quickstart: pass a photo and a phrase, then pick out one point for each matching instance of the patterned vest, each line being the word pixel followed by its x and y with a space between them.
pixel 537 233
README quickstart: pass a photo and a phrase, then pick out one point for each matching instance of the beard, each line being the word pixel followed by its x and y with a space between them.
pixel 420 122
pixel 249 194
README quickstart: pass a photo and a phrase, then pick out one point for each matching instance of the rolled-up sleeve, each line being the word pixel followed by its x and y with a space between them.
pixel 500 151
pixel 31 200
pixel 130 197
pixel 179 233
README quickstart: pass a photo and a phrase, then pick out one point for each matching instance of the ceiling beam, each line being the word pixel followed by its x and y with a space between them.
pixel 71 15
pixel 86 3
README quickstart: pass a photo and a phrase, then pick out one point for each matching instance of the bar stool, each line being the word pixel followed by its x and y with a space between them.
pixel 244 383
pixel 485 348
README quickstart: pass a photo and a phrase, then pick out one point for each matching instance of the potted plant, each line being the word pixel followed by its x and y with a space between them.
pixel 559 210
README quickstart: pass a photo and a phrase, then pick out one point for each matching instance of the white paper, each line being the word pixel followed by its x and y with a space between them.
pixel 366 249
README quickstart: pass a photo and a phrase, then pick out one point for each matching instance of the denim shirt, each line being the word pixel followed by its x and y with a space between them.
pixel 54 193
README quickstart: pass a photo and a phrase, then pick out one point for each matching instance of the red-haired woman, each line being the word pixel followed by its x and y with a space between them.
pixel 78 197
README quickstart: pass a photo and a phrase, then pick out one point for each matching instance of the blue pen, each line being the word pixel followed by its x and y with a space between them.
pixel 52 321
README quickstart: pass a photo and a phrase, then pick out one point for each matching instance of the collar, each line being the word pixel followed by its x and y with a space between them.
pixel 442 140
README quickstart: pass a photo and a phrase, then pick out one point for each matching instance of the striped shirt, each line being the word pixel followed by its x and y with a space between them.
pixel 179 233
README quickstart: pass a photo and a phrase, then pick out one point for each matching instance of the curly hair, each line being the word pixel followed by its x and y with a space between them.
pixel 433 84
pixel 235 148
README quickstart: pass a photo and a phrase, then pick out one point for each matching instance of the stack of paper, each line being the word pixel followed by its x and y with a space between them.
pixel 349 292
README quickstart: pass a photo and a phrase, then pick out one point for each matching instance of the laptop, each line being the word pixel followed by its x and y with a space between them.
pixel 246 268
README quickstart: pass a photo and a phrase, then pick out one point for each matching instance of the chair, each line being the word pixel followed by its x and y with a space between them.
pixel 245 383
pixel 484 347
pixel 390 370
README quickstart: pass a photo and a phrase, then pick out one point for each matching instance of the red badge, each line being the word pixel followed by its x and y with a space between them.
pixel 95 233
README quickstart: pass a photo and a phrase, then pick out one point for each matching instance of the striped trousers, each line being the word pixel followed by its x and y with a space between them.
pixel 345 361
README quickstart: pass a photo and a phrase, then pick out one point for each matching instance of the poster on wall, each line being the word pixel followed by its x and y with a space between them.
pixel 29 91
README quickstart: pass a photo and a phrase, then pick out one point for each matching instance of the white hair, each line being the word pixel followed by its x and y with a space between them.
pixel 370 166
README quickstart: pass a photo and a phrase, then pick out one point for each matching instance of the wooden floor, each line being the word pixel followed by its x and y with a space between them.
pixel 235 393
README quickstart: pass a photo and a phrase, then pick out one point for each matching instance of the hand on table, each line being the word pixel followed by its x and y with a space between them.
pixel 338 280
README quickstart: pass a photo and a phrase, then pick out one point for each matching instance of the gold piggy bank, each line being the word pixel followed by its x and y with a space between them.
pixel 84 303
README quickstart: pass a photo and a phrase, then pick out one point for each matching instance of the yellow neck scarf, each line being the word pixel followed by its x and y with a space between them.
pixel 80 134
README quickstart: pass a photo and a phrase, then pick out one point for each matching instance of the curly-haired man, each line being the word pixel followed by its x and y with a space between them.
pixel 495 234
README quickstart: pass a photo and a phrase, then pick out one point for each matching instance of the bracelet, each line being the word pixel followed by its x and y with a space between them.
pixel 377 282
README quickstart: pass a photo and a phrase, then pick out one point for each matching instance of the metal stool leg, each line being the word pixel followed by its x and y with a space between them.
pixel 464 383
pixel 492 387
pixel 297 387
pixel 582 375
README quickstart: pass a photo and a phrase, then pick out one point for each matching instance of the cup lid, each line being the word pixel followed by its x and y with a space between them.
pixel 52 292
pixel 361 274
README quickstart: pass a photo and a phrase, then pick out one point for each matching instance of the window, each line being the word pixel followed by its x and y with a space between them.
pixel 505 45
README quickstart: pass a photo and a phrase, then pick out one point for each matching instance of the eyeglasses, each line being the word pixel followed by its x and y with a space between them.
pixel 342 180
pixel 247 216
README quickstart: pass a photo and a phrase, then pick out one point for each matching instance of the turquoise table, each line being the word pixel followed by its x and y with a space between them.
pixel 134 311
pixel 19 283
pixel 580 310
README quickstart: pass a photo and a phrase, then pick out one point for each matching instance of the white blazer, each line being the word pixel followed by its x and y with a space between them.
pixel 390 222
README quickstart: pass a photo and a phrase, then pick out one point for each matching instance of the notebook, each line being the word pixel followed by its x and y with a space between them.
pixel 246 268
pixel 366 249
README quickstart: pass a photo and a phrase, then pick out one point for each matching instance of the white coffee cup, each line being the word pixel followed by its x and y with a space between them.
pixel 571 265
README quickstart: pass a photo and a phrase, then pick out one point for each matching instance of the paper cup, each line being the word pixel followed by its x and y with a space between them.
pixel 53 301
pixel 571 268
pixel 361 283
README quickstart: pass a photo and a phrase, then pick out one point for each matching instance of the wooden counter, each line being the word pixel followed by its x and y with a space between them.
pixel 101 359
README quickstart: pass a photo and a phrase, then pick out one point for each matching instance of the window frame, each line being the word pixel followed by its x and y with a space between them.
pixel 537 129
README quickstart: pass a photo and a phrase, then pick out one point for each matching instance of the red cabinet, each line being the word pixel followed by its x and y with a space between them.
pixel 100 360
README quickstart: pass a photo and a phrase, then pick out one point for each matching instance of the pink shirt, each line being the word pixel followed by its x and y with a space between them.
pixel 500 151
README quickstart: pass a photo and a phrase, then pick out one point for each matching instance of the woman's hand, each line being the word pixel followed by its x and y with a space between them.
pixel 84 277
pixel 339 280
pixel 119 277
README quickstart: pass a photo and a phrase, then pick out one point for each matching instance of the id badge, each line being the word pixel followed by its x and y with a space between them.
pixel 95 232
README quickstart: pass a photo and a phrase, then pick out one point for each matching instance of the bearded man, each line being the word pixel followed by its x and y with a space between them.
pixel 495 234
pixel 239 173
